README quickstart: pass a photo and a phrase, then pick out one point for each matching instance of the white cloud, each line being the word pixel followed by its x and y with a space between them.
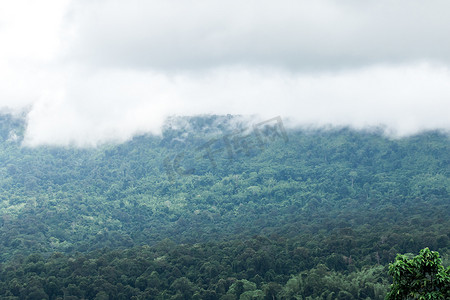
pixel 100 71
pixel 115 105
pixel 30 30
pixel 30 40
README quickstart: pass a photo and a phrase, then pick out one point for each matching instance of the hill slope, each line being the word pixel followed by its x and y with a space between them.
pixel 343 198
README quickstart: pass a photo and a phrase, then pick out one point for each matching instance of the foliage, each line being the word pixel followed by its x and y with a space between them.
pixel 160 216
pixel 420 277
pixel 200 271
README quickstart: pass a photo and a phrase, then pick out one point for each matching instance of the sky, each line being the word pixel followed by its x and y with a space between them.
pixel 101 71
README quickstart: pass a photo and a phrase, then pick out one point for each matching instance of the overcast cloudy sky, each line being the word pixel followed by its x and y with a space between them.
pixel 97 71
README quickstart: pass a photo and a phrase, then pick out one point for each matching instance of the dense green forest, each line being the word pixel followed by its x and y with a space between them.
pixel 219 208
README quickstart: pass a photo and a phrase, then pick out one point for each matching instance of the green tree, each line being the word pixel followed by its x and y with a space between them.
pixel 420 277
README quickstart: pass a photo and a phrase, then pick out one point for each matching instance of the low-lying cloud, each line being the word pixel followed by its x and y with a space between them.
pixel 104 71
pixel 115 105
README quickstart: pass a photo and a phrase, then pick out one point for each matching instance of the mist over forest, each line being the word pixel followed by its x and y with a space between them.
pixel 228 150
pixel 217 207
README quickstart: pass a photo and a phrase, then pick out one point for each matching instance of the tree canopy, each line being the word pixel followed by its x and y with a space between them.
pixel 213 208
pixel 420 277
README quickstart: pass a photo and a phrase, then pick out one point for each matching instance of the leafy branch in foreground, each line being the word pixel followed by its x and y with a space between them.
pixel 420 277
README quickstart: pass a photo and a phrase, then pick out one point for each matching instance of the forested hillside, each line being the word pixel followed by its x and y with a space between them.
pixel 218 207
